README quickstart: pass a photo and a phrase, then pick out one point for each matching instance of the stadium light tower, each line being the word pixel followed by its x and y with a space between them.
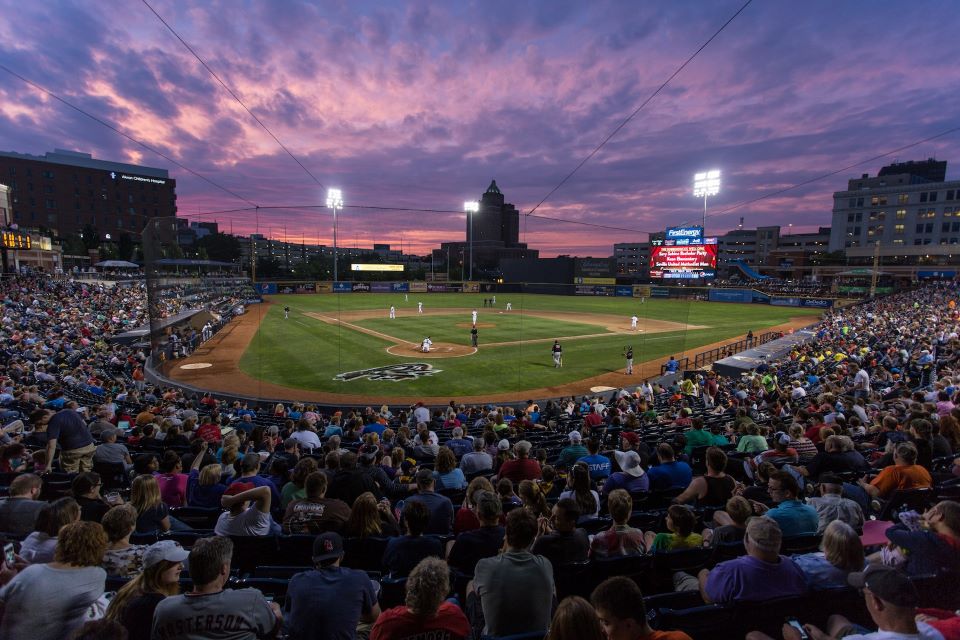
pixel 706 183
pixel 335 201
pixel 471 207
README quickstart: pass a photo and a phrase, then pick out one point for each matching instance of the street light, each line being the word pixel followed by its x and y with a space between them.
pixel 471 207
pixel 334 201
pixel 706 183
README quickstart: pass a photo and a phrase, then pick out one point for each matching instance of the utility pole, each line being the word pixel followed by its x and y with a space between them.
pixel 876 272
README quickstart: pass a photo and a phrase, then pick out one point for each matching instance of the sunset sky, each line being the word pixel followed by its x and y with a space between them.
pixel 420 104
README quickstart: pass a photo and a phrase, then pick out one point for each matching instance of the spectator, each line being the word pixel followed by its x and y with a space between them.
pixel 935 547
pixel 403 553
pixel 558 538
pixel 575 619
pixel 86 491
pixel 249 511
pixel 466 518
pixel 522 468
pixel 623 615
pixel 425 612
pixel 713 488
pixel 573 452
pixel 204 489
pixel 171 479
pixel 841 553
pixel 484 542
pixel 781 452
pixel 459 445
pixel 831 505
pixel 369 518
pixel 40 546
pixel 101 630
pixel 803 445
pixel 621 539
pixel 532 497
pixel 440 507
pixel 731 522
pixel 447 474
pixel 762 574
pixel 209 607
pixel 513 590
pixel 109 451
pixel 697 437
pixel 478 460
pixel 599 465
pixel 794 517
pixel 49 601
pixel 579 488
pixel 68 429
pixel 296 488
pixel 19 511
pixel 631 476
pixel 134 604
pixel 670 473
pixel 316 513
pixel 328 582
pixel 349 481
pixel 752 442
pixel 121 558
pixel 905 473
pixel 250 474
pixel 152 512
pixel 680 523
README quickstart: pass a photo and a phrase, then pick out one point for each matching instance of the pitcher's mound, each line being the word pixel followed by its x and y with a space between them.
pixel 480 325
pixel 438 350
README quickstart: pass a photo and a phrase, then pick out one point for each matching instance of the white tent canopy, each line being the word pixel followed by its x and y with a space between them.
pixel 117 264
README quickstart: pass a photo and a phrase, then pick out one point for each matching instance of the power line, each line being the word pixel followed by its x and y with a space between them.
pixel 231 92
pixel 125 135
pixel 644 104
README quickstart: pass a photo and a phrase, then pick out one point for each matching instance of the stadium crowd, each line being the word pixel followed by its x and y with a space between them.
pixel 822 487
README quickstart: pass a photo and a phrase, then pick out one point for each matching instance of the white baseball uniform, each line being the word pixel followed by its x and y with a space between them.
pixel 419 307
pixel 509 306
pixel 474 314
pixel 393 313
pixel 425 345
pixel 633 322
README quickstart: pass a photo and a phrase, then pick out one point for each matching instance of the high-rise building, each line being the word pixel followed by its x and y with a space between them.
pixel 496 221
pixel 65 191
pixel 908 208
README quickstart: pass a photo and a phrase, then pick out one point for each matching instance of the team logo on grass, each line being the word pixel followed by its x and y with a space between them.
pixel 391 373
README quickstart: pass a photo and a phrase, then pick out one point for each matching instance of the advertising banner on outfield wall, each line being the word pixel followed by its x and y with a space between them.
pixel 731 295
pixel 471 287
pixel 381 287
pixel 641 291
pixel 418 287
pixel 266 288
pixel 623 291
pixel 760 297
pixel 300 287
pixel 659 292
pixel 360 287
pixel 593 290
pixel 778 301
pixel 399 287
pixel 324 287
pixel 342 287
pixel 817 303
pixel 444 287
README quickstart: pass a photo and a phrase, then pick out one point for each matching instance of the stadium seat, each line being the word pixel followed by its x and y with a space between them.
pixel 700 623
pixel 792 545
pixel 296 549
pixel 392 592
pixel 364 553
pixel 918 500
pixel 250 551
pixel 196 517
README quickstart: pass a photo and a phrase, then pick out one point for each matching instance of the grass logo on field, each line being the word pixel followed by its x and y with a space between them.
pixel 390 373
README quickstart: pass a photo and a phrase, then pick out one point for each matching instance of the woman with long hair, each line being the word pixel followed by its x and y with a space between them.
pixel 40 546
pixel 370 518
pixel 575 619
pixel 294 490
pixel 949 428
pixel 466 518
pixel 579 488
pixel 531 494
pixel 841 553
pixel 134 604
pixel 447 474
pixel 152 513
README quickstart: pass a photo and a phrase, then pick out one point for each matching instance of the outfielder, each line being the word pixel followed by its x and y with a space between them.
pixel 393 312
pixel 419 307
pixel 509 306
pixel 406 297
pixel 557 354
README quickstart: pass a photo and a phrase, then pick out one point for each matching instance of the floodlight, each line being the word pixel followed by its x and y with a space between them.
pixel 471 206
pixel 706 183
pixel 335 198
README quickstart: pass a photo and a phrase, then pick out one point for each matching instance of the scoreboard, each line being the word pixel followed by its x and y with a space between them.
pixel 683 253
pixel 15 240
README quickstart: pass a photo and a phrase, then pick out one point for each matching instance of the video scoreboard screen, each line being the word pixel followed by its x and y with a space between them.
pixel 14 240
pixel 683 253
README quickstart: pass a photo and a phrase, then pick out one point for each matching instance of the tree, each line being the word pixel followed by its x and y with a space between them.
pixel 91 237
pixel 125 247
pixel 220 246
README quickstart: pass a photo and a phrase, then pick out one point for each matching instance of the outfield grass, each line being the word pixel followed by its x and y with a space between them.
pixel 306 353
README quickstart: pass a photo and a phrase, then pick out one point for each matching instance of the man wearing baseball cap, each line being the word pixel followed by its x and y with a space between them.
pixel 573 452
pixel 351 590
pixel 892 602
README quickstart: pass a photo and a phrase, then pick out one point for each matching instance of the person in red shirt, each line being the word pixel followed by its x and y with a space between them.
pixel 210 432
pixel 425 613
pixel 522 468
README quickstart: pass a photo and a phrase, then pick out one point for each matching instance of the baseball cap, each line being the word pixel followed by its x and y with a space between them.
pixel 886 583
pixel 503 445
pixel 168 550
pixel 630 437
pixel 782 438
pixel 368 452
pixel 629 462
pixel 575 436
pixel 327 546
pixel 239 487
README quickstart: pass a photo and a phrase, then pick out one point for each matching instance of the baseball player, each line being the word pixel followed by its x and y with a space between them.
pixel 406 297
pixel 425 345
pixel 633 322
pixel 628 354
pixel 474 337
pixel 474 314
pixel 557 351
pixel 493 301
pixel 509 306
pixel 286 313
pixel 393 312
pixel 419 307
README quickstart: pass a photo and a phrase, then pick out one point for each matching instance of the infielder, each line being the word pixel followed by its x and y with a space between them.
pixel 393 313
pixel 286 313
pixel 406 297
pixel 419 307
pixel 509 306
pixel 633 322
pixel 628 354
pixel 425 345
pixel 557 354
pixel 474 314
